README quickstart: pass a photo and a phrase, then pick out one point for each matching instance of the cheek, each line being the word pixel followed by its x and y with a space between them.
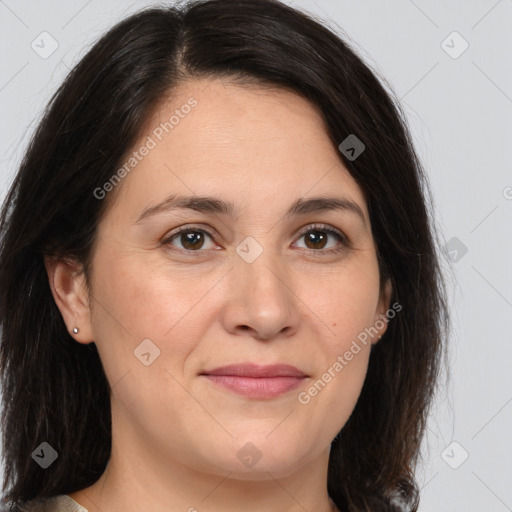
pixel 348 304
pixel 136 302
pixel 347 308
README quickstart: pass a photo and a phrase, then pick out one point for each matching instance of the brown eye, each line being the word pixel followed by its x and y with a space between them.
pixel 317 237
pixel 191 239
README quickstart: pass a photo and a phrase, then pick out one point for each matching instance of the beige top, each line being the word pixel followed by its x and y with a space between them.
pixel 61 503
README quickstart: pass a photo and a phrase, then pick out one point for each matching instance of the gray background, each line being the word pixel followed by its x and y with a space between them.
pixel 458 108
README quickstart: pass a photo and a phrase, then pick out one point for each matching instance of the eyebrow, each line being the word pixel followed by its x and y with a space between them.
pixel 213 205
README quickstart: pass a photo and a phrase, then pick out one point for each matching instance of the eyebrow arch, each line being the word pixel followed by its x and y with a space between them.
pixel 206 204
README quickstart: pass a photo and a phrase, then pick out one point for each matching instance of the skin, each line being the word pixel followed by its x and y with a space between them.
pixel 175 434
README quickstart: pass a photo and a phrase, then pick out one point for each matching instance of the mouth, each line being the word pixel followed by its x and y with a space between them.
pixel 254 381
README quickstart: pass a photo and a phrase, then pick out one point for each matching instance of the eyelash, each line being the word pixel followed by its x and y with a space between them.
pixel 344 241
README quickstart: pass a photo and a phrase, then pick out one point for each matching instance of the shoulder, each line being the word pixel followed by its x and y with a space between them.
pixel 60 503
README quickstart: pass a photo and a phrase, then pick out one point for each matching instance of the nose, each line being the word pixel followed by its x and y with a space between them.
pixel 261 300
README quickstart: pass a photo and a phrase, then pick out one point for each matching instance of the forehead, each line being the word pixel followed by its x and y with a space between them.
pixel 238 142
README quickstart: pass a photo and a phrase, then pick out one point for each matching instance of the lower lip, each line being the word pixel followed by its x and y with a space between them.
pixel 261 387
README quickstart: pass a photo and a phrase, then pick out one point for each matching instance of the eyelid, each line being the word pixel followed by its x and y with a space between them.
pixel 322 227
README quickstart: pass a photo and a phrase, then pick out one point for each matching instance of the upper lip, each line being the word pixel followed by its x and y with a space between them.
pixel 254 370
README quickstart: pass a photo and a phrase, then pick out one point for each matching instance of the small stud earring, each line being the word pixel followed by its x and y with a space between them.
pixel 76 330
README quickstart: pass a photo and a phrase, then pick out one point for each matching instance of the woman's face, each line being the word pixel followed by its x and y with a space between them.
pixel 259 283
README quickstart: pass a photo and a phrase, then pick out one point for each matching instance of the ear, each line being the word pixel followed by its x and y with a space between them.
pixel 380 319
pixel 69 290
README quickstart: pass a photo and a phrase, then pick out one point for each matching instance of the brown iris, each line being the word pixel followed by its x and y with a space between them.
pixel 192 239
pixel 316 237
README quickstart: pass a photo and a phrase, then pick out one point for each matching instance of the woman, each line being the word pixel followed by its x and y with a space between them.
pixel 219 286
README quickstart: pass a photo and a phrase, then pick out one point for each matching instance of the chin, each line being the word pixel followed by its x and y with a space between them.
pixel 253 458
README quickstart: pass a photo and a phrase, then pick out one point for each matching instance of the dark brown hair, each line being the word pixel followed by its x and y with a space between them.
pixel 55 389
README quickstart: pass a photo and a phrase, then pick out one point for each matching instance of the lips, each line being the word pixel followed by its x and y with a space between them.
pixel 257 371
pixel 254 381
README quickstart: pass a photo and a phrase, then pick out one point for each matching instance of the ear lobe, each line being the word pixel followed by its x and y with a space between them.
pixel 69 290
